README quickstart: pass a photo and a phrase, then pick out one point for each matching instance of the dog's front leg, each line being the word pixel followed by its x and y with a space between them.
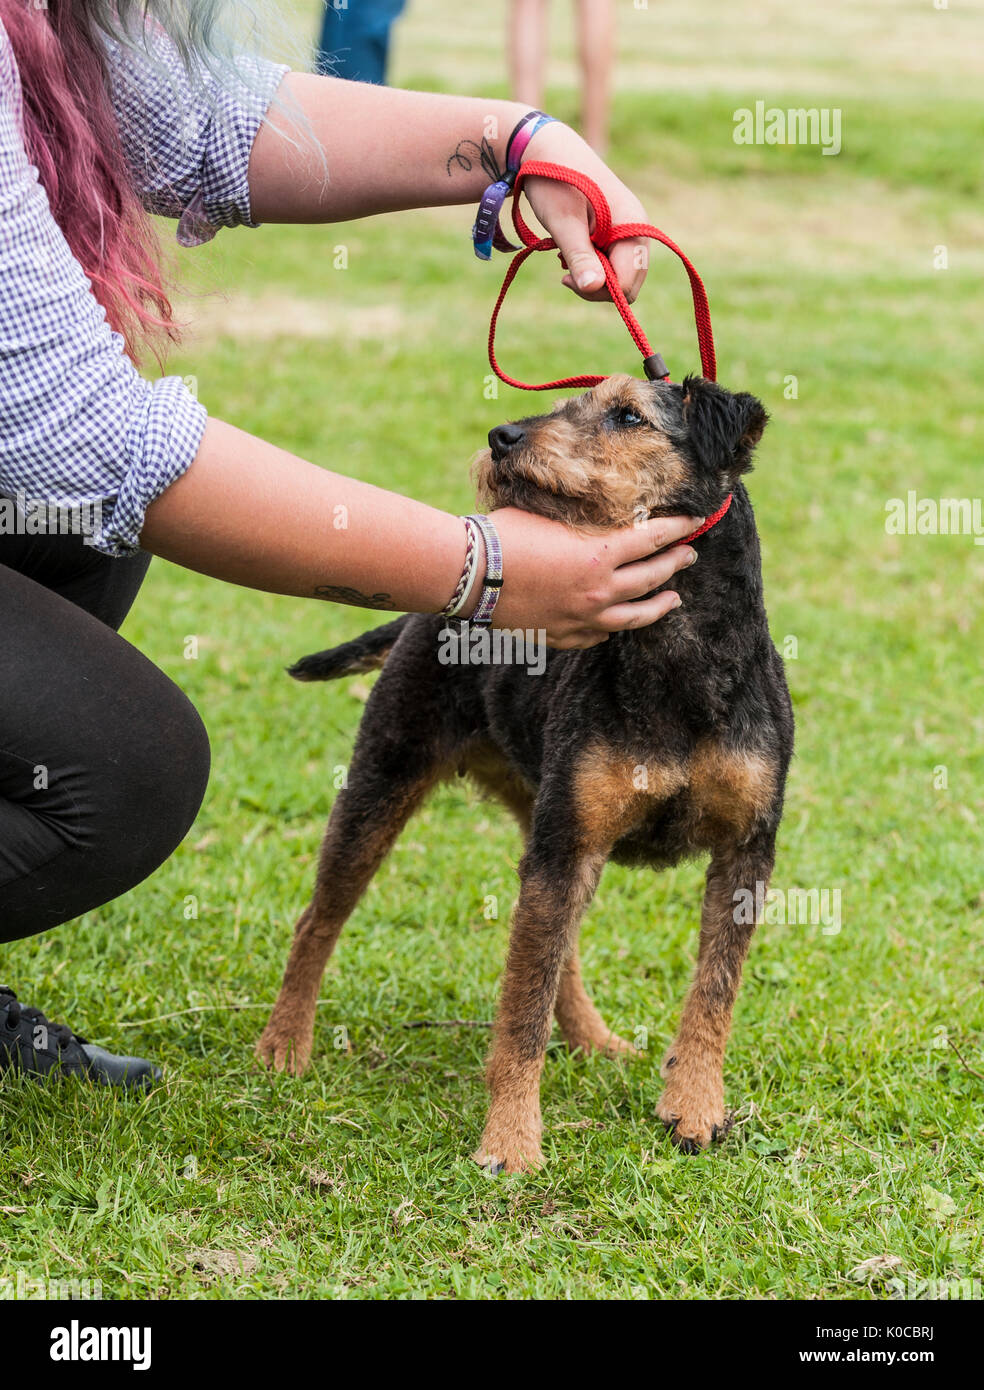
pixel 555 889
pixel 692 1104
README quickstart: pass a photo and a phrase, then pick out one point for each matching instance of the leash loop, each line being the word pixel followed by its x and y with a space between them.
pixel 603 238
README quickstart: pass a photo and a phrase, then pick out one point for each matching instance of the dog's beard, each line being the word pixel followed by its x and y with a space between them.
pixel 582 503
pixel 604 505
pixel 499 489
pixel 499 485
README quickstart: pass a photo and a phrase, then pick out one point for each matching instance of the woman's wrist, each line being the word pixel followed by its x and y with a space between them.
pixel 481 154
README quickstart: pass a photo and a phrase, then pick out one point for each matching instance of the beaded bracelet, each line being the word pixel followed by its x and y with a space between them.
pixel 492 588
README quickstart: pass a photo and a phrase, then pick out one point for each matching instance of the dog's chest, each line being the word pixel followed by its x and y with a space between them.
pixel 657 810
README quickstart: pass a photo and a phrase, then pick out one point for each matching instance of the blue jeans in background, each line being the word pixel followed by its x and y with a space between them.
pixel 355 39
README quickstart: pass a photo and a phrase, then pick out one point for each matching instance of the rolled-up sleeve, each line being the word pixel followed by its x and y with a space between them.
pixel 188 139
pixel 79 426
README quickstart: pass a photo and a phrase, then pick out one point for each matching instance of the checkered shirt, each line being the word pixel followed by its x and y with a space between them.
pixel 79 425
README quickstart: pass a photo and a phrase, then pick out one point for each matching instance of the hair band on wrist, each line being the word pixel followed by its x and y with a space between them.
pixel 486 232
pixel 521 137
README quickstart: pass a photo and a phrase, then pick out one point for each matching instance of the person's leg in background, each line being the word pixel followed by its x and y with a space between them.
pixel 103 766
pixel 528 42
pixel 596 49
pixel 528 24
pixel 355 39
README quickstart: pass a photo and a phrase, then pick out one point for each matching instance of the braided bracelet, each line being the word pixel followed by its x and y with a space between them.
pixel 466 583
pixel 491 589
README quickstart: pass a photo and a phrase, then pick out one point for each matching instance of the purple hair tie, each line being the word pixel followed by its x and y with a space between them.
pixel 487 218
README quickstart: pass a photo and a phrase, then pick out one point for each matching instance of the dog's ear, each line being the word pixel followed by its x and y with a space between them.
pixel 724 427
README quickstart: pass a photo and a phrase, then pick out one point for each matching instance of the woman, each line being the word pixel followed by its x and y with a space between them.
pixel 108 109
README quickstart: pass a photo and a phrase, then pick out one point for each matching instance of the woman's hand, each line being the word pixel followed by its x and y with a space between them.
pixel 579 589
pixel 567 215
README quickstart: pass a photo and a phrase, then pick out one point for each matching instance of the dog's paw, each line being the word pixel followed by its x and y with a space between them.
pixel 692 1133
pixel 614 1046
pixel 508 1153
pixel 608 1044
pixel 692 1105
pixel 284 1048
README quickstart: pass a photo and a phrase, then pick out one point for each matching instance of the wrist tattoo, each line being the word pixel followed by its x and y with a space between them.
pixel 338 593
pixel 468 151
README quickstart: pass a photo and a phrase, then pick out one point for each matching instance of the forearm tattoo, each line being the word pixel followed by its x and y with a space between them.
pixel 468 151
pixel 337 593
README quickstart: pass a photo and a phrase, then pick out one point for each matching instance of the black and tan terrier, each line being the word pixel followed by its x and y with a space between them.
pixel 657 745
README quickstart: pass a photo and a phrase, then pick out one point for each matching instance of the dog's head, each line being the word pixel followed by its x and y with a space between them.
pixel 624 450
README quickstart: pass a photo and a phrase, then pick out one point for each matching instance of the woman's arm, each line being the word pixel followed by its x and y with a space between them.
pixel 378 149
pixel 252 514
pixel 276 522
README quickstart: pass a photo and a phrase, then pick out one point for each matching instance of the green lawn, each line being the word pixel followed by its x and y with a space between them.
pixel 859 1130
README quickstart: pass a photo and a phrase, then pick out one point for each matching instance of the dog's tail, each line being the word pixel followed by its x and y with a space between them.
pixel 366 653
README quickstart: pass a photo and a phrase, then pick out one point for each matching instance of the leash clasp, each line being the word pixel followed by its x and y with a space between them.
pixel 655 368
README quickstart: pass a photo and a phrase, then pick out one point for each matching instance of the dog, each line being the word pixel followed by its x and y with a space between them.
pixel 659 744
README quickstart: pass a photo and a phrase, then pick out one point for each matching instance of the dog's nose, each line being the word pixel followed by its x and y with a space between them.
pixel 503 438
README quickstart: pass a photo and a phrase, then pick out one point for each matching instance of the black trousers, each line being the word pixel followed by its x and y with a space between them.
pixel 103 760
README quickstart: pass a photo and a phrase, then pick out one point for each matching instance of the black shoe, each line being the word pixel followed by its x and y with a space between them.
pixel 29 1043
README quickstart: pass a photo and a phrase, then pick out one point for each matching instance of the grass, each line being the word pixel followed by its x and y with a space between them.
pixel 859 1129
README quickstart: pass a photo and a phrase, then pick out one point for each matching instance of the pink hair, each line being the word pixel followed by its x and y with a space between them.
pixel 72 136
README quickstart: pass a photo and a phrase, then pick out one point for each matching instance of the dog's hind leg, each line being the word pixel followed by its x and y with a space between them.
pixel 582 1025
pixel 692 1104
pixel 387 781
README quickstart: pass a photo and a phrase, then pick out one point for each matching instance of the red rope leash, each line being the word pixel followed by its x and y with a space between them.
pixel 603 237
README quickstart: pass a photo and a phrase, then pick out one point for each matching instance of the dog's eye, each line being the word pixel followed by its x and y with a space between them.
pixel 628 416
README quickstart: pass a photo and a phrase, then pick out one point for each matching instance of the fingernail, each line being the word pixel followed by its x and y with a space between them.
pixel 586 279
pixel 692 560
pixel 698 520
pixel 675 605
